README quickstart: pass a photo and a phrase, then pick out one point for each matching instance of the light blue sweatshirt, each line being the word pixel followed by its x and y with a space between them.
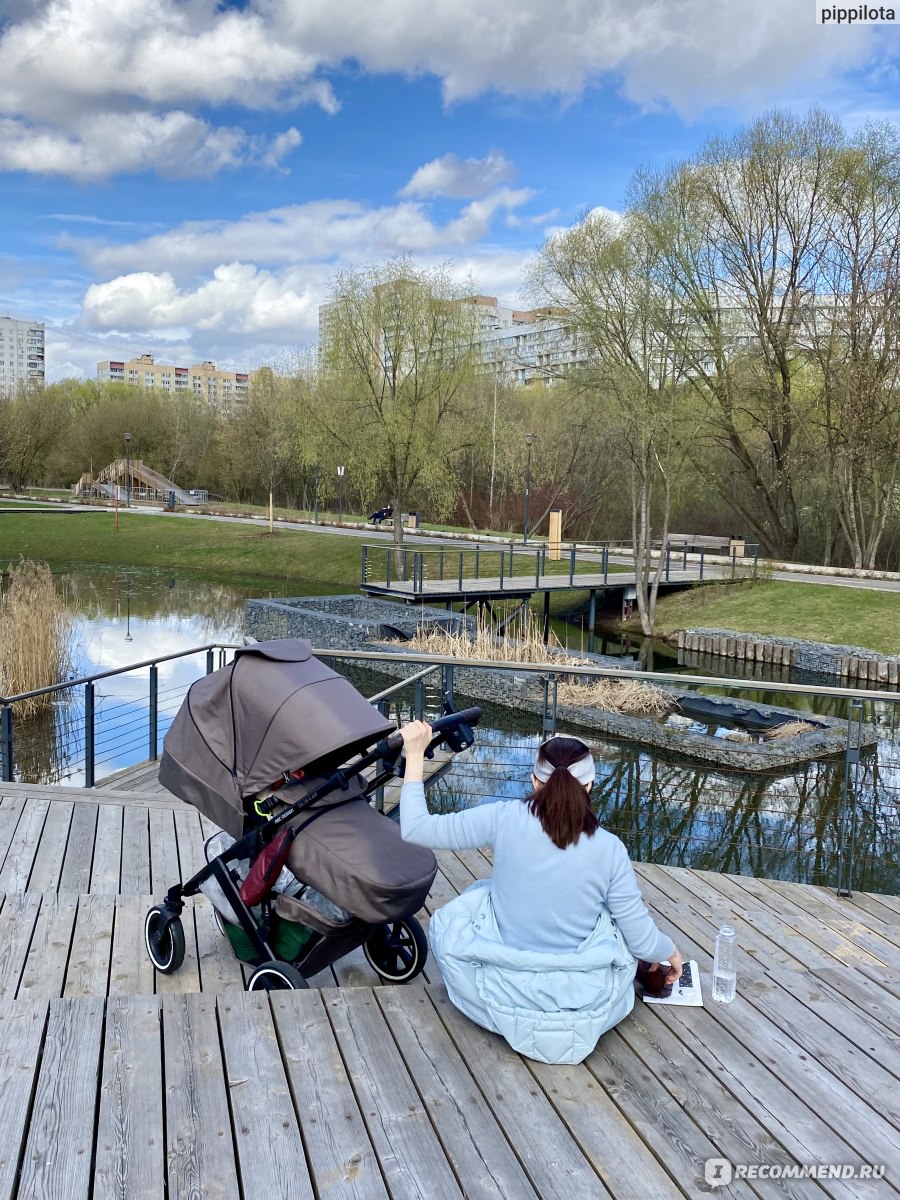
pixel 544 898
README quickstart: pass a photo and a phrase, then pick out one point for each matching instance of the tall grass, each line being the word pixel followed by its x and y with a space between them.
pixel 523 642
pixel 36 630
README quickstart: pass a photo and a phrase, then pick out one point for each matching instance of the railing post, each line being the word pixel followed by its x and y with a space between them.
pixel 364 571
pixel 548 721
pixel 684 560
pixel 702 557
pixel 420 699
pixel 572 566
pixel 847 815
pixel 460 570
pixel 210 661
pixel 441 564
pixel 477 561
pixel 6 742
pixel 379 793
pixel 502 565
pixel 405 564
pixel 592 617
pixel 537 569
pixel 389 561
pixel 668 561
pixel 153 740
pixel 605 565
pixel 89 735
pixel 512 569
pixel 448 684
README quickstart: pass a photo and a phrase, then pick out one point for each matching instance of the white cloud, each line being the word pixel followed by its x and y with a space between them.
pixel 175 144
pixel 453 176
pixel 70 65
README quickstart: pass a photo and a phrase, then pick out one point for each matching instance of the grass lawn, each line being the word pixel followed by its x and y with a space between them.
pixel 211 550
pixel 839 615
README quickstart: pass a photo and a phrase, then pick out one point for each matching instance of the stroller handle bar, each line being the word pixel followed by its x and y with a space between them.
pixel 439 726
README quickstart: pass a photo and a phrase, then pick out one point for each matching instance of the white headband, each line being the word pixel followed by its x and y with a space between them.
pixel 582 769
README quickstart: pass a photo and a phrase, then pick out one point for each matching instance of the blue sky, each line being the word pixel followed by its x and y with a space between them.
pixel 185 177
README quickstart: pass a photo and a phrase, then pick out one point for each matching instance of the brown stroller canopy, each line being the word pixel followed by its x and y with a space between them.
pixel 275 708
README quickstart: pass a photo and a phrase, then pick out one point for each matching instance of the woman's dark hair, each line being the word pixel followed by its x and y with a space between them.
pixel 562 806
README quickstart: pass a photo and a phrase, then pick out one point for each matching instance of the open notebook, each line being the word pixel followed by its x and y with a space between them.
pixel 685 992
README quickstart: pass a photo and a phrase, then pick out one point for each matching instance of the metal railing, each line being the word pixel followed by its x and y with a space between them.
pixel 834 821
pixel 515 568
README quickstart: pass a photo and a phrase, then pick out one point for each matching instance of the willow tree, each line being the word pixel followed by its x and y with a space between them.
pixel 604 273
pixel 852 334
pixel 741 230
pixel 399 357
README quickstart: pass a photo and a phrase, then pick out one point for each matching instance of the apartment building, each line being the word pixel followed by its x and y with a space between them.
pixel 222 389
pixel 21 354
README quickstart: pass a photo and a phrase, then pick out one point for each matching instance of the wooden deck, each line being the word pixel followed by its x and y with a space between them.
pixel 116 1083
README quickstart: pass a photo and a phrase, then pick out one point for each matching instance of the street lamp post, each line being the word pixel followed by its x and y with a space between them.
pixel 316 500
pixel 340 495
pixel 128 470
pixel 530 439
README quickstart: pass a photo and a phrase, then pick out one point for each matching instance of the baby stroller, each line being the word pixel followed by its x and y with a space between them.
pixel 282 753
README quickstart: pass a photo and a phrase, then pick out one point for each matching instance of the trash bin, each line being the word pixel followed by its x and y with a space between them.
pixel 170 502
pixel 411 520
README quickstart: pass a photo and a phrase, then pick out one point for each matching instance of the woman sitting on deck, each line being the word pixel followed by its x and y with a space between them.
pixel 543 952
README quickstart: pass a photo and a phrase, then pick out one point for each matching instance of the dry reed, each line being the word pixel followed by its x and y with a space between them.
pixel 36 631
pixel 524 643
pixel 787 730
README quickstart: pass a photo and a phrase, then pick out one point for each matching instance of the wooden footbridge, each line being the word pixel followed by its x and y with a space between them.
pixel 119 1083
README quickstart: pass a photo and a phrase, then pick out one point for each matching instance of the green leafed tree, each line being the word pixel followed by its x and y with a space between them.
pixel 399 361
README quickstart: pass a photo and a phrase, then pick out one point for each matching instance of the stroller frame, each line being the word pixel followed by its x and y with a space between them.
pixel 163 921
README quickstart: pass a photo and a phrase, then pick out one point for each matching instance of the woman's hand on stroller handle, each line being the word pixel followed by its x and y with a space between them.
pixel 417 737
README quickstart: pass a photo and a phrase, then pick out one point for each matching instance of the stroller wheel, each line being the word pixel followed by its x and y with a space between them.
pixel 276 977
pixel 164 938
pixel 397 951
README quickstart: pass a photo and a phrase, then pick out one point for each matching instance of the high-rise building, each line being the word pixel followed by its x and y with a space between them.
pixel 204 381
pixel 21 354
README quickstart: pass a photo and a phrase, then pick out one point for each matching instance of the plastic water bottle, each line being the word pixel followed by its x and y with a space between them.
pixel 725 965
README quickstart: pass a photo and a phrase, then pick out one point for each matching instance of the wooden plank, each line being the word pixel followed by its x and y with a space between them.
pixel 17 921
pixel 23 847
pixel 456 872
pixel 736 1133
pixel 411 1156
pixel 58 1153
pixel 481 1157
pixel 11 809
pixel 190 841
pixel 353 970
pixel 261 1104
pixel 130 1143
pixel 743 1059
pixel 81 795
pixel 341 1158
pixel 163 852
pixel 88 971
pixel 48 955
pixel 860 1124
pixel 187 977
pixel 131 972
pixel 876 1002
pixel 840 915
pixel 219 969
pixel 616 1151
pixel 76 871
pixel 107 865
pixel 200 1159
pixel 48 862
pixel 553 1161
pixel 135 874
pixel 21 1038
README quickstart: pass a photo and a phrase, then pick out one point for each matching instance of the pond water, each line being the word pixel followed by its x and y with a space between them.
pixel 784 824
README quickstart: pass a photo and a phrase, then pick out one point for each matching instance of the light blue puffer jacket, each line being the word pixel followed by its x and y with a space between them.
pixel 549 1007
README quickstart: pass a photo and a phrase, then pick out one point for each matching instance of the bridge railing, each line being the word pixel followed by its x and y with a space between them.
pixel 511 567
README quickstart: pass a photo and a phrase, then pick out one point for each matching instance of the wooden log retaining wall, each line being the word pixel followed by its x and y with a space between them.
pixel 858 670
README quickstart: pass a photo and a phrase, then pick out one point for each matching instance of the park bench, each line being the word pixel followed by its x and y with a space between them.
pixel 713 542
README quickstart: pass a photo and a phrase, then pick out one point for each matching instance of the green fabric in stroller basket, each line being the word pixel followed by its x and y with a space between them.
pixel 287 939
